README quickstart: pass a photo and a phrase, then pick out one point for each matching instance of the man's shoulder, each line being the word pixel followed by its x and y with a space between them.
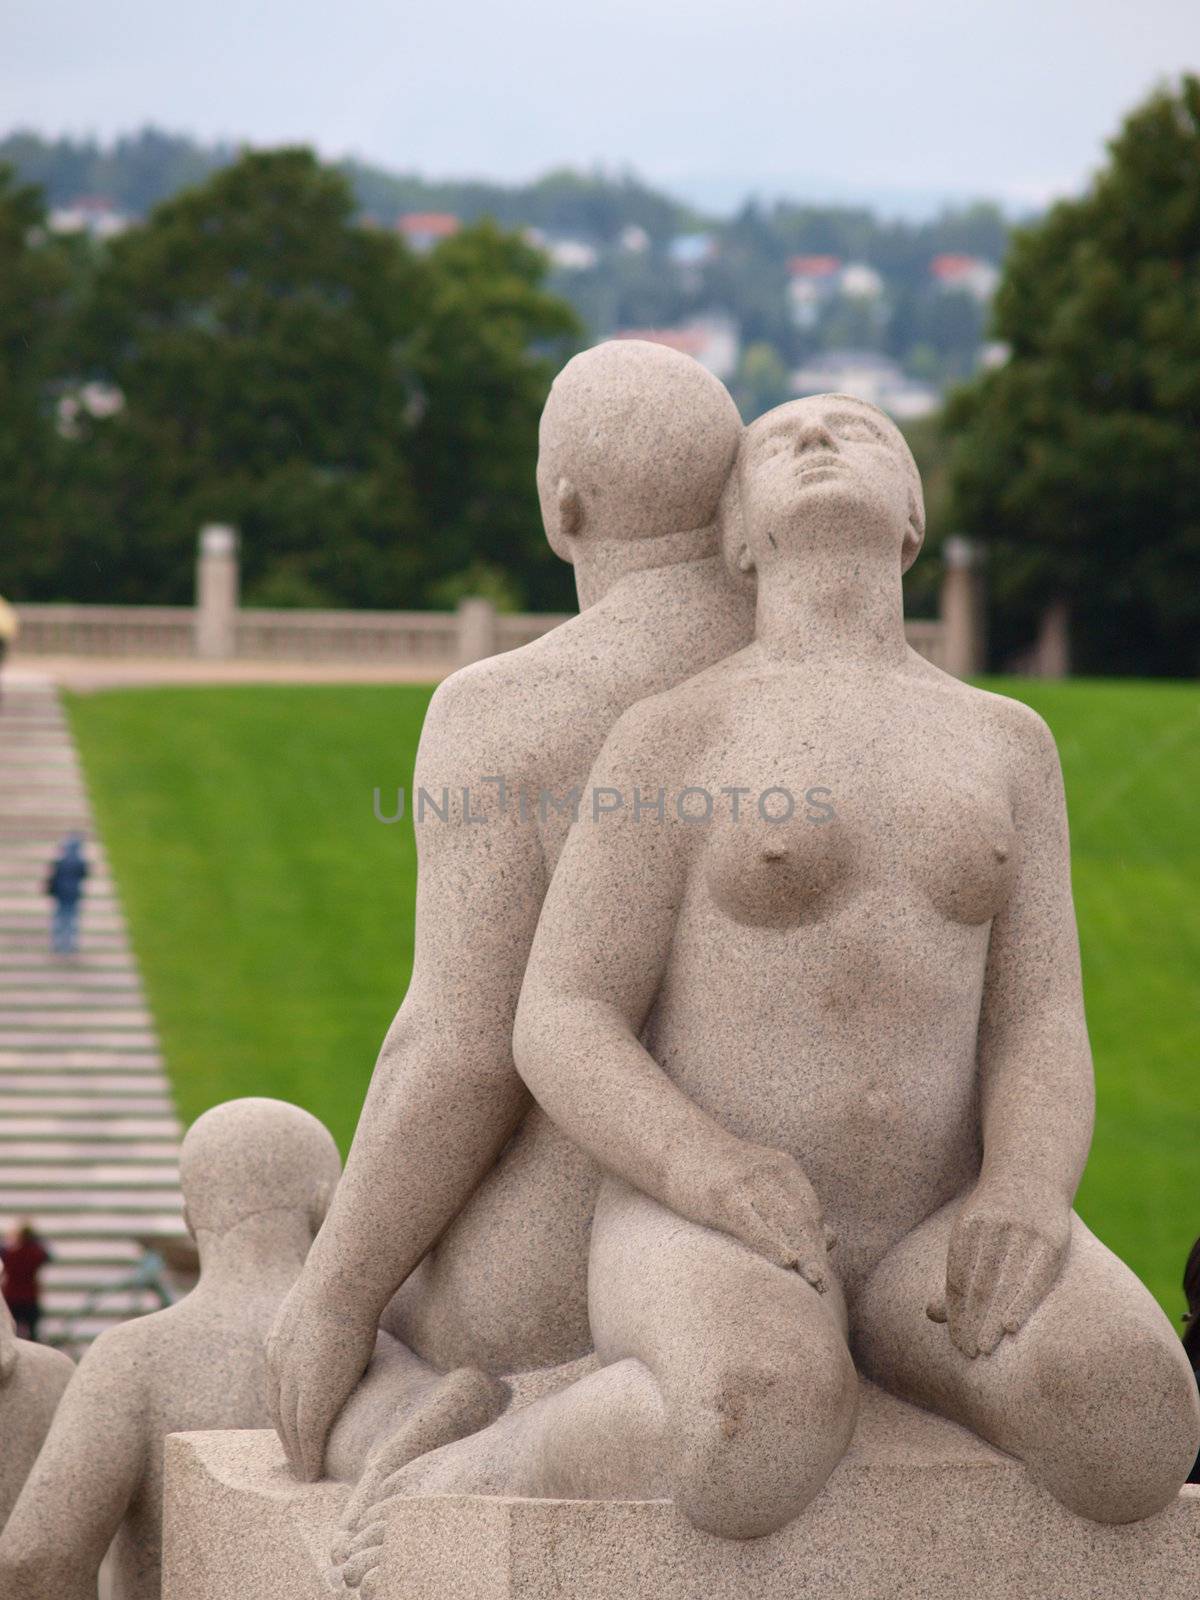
pixel 505 709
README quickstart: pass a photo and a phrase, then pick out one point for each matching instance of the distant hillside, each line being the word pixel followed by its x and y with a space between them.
pixel 779 298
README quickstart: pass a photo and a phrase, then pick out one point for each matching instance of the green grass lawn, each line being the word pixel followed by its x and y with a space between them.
pixel 272 913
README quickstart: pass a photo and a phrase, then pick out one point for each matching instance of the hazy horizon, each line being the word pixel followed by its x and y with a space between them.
pixel 900 107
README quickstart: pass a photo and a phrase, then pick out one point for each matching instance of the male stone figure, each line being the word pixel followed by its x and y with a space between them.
pixel 32 1379
pixel 450 1168
pixel 859 1021
pixel 256 1176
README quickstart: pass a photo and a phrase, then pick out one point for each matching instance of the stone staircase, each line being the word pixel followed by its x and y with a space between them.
pixel 89 1138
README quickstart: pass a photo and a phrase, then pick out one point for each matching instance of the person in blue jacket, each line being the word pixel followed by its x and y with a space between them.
pixel 64 884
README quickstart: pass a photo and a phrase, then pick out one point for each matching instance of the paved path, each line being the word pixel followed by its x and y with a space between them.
pixel 88 1134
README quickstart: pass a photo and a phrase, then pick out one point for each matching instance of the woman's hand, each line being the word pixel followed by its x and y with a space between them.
pixel 761 1196
pixel 1007 1249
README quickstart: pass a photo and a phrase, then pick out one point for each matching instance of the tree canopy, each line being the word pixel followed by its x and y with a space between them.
pixel 1078 460
pixel 367 417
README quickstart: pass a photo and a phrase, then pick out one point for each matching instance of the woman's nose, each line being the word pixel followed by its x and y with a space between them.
pixel 814 436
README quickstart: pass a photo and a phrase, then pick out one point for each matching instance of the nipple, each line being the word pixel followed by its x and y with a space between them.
pixel 1001 852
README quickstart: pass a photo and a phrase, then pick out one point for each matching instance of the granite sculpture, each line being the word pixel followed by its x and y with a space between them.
pixel 814 1008
pixel 32 1380
pixel 257 1176
pixel 458 1236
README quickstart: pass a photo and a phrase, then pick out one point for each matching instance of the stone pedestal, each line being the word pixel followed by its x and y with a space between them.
pixel 918 1508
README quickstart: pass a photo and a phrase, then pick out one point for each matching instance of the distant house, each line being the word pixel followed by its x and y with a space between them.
pixel 968 274
pixel 713 340
pixel 812 282
pixel 568 255
pixel 858 281
pixel 869 376
pixel 421 230
pixel 93 214
pixel 692 249
pixel 634 239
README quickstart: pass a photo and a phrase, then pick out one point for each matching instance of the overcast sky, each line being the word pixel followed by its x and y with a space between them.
pixel 912 99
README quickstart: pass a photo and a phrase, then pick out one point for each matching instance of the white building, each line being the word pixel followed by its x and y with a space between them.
pixel 714 340
pixel 868 376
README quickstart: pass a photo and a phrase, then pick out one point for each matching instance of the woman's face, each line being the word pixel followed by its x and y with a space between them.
pixel 829 463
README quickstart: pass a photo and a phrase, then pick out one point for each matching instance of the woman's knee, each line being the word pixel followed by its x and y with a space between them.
pixel 754 1436
pixel 1116 1420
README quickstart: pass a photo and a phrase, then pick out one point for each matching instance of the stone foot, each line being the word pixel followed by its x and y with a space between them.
pixel 463 1403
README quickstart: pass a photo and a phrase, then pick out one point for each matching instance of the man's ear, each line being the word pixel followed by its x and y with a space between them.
pixel 745 561
pixel 914 534
pixel 570 509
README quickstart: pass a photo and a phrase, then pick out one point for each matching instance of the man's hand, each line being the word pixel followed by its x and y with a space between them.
pixel 315 1357
pixel 1006 1251
pixel 761 1196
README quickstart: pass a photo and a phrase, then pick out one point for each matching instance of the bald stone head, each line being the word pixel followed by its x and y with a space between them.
pixel 636 442
pixel 8 1343
pixel 252 1156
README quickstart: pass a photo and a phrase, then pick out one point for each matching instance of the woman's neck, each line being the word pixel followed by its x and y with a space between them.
pixel 849 608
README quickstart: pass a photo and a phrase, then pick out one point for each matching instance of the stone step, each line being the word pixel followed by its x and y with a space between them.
pixel 44 1201
pixel 97 1300
pixel 107 1254
pixel 68 1154
pixel 55 978
pixel 62 1279
pixel 108 1224
pixel 90 1018
pixel 75 1105
pixel 85 961
pixel 90 1125
pixel 80 1060
pixel 84 1086
pixel 162 1175
pixel 59 1039
pixel 17 997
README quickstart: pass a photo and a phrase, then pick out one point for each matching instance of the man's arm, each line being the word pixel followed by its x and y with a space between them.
pixel 1035 1073
pixel 444 1097
pixel 597 963
pixel 88 1471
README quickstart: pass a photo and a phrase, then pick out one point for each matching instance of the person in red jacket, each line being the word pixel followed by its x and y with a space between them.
pixel 23 1257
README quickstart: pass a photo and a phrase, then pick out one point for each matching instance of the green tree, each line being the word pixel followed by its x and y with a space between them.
pixel 762 381
pixel 1077 460
pixel 310 380
pixel 35 281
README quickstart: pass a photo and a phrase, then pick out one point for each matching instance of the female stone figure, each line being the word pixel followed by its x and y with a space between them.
pixel 832 1057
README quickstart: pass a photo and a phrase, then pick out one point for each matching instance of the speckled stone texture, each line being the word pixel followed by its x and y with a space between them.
pixel 32 1380
pixel 461 1206
pixel 256 1177
pixel 917 1508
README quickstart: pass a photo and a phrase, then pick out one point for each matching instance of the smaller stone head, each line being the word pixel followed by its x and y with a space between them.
pixel 9 1352
pixel 636 441
pixel 251 1156
pixel 827 469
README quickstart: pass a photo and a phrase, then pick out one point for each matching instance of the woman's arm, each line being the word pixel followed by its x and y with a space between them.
pixel 1035 1073
pixel 597 962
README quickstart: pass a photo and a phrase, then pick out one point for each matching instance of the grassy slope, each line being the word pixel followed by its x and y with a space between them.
pixel 272 912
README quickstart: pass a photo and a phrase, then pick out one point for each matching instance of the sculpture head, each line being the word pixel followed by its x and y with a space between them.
pixel 254 1156
pixel 636 442
pixel 1191 1290
pixel 825 469
pixel 9 1352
